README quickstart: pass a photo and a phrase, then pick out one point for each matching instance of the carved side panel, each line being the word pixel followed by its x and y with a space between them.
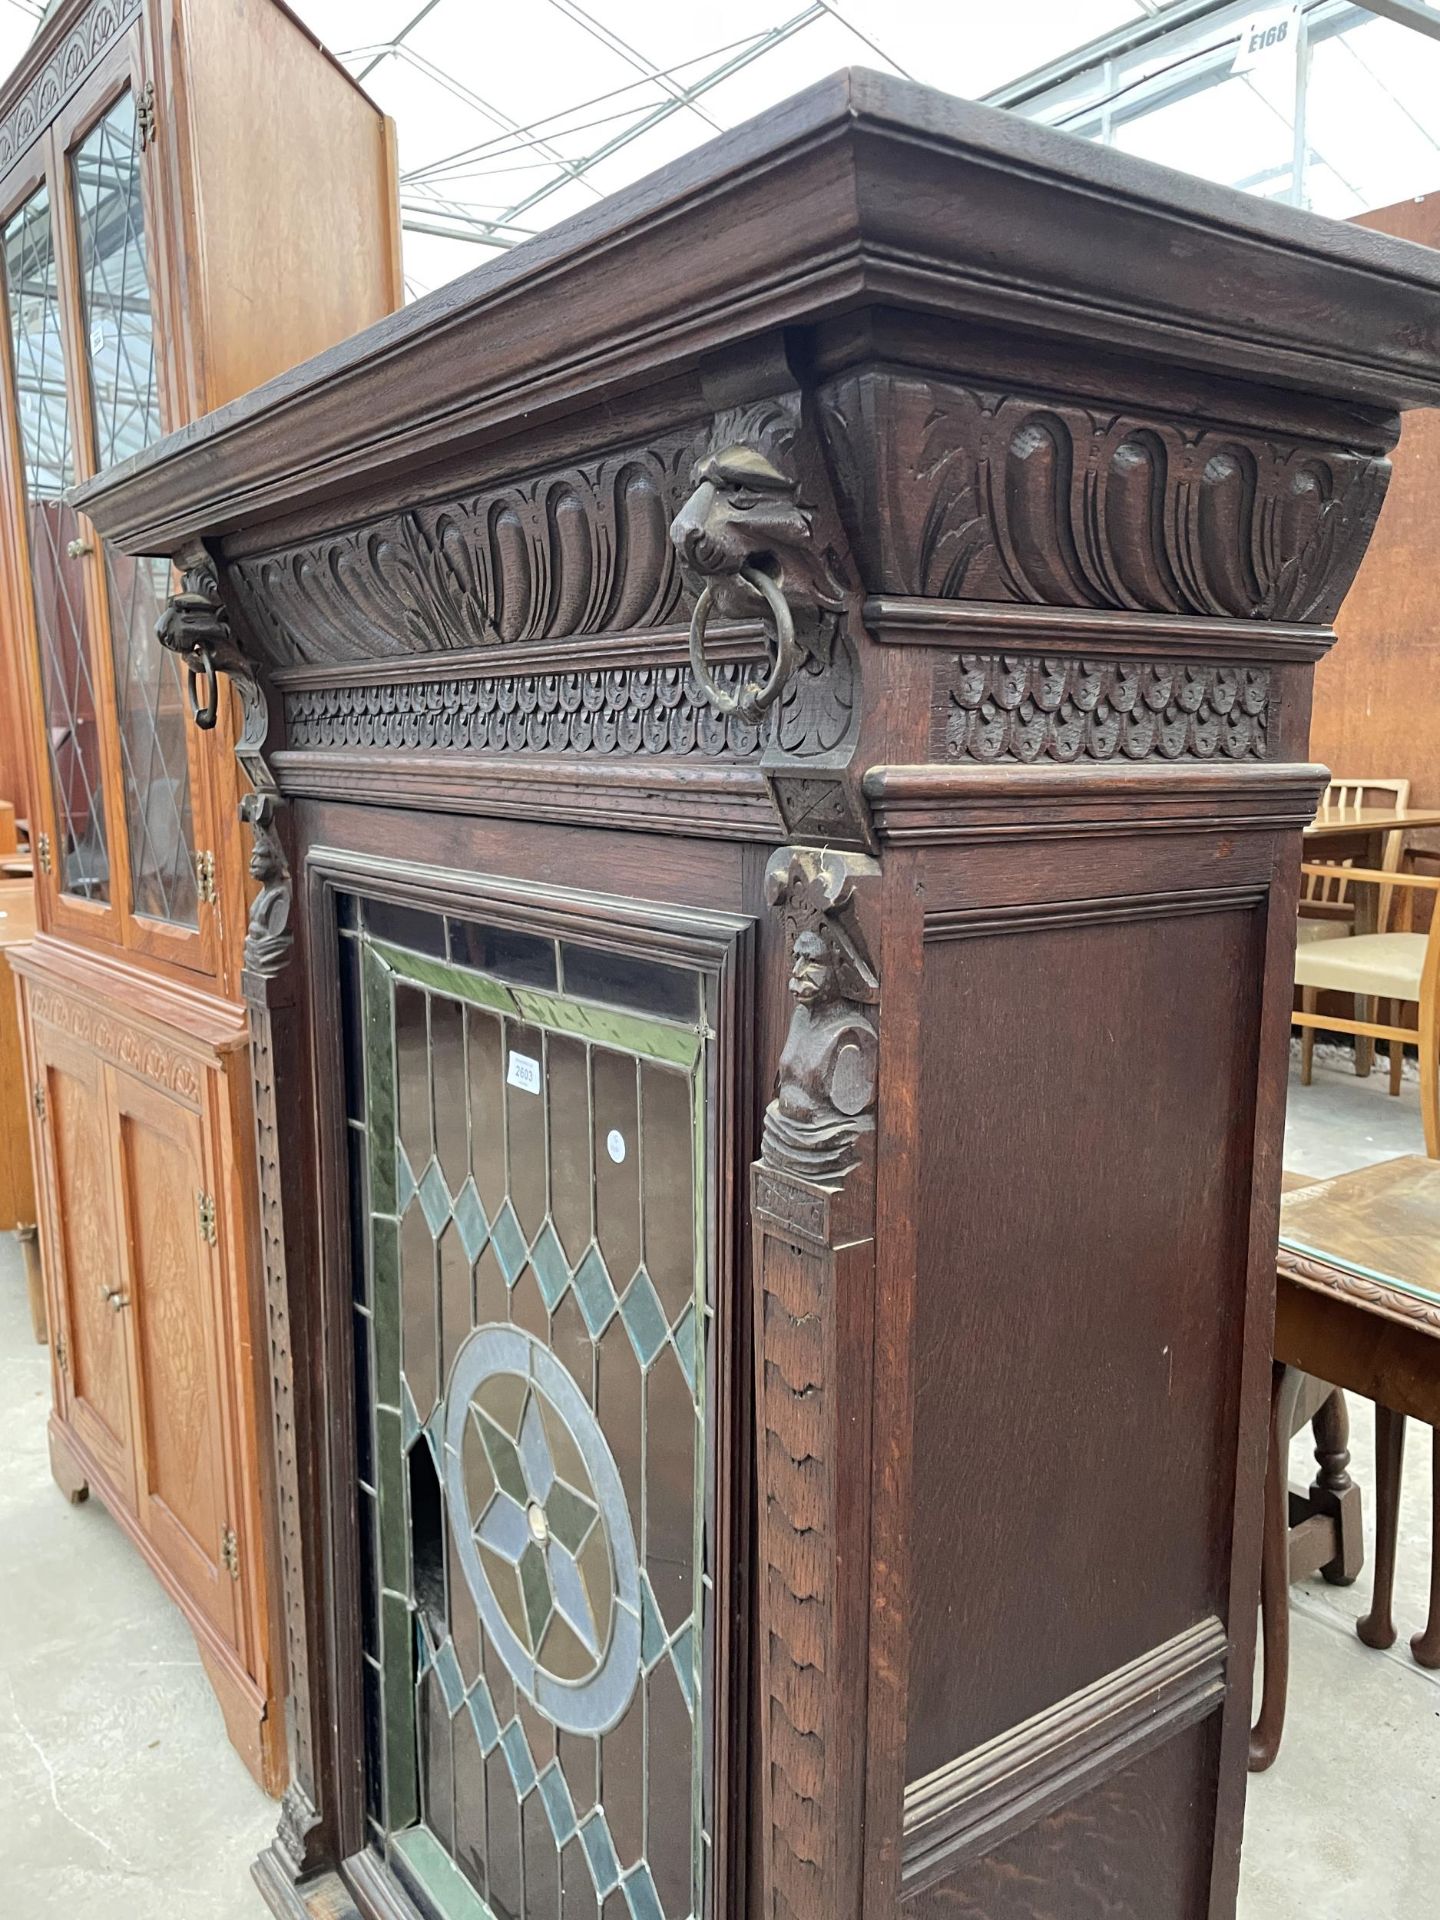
pixel 1023 707
pixel 966 493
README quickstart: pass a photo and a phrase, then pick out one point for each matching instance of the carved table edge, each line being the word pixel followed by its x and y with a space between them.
pixel 983 1797
pixel 911 620
pixel 1317 1275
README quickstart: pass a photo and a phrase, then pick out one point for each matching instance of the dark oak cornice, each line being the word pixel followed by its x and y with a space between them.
pixel 909 199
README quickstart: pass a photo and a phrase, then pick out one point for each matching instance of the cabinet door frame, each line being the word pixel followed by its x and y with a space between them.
pixel 712 943
pixel 60 912
pixel 197 1567
pixel 113 1454
pixel 123 70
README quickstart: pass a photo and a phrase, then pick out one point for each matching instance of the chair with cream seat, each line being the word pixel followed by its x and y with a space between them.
pixel 1402 967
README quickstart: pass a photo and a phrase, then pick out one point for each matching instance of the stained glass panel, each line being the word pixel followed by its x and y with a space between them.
pixel 43 422
pixel 125 418
pixel 535 1406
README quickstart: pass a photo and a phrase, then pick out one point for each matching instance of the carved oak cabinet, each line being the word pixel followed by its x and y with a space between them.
pixel 778 719
pixel 192 197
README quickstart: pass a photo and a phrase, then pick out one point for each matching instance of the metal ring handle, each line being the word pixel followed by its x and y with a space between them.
pixel 201 665
pixel 752 699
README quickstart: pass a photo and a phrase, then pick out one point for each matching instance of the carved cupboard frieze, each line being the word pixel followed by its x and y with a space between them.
pixel 105 1032
pixel 62 72
pixel 965 493
pixel 1027 707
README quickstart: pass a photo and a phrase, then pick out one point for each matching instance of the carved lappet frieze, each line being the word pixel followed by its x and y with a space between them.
pixel 575 551
pixel 825 1089
pixel 1023 707
pixel 966 493
pixel 623 710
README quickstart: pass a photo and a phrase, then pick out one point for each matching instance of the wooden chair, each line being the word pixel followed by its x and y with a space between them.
pixel 1401 967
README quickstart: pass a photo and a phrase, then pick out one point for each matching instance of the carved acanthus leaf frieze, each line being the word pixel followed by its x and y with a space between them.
pixel 1028 708
pixel 582 550
pixel 826 1082
pixel 965 493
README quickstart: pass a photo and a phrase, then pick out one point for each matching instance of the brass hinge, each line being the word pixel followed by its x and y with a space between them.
pixel 145 114
pixel 230 1553
pixel 42 853
pixel 38 1099
pixel 205 1209
pixel 62 1354
pixel 205 877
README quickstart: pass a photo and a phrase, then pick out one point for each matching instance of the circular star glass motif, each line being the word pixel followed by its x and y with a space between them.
pixel 544 1538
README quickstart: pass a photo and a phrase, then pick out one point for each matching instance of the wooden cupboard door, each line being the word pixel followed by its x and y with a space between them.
pixel 172 1278
pixel 87 1282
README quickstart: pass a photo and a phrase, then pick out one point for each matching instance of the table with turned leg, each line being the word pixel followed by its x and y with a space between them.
pixel 1357 1307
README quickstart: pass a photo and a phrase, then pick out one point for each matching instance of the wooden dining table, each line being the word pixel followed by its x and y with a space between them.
pixel 1357 1306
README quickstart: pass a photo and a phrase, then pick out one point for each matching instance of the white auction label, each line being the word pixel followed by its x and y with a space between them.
pixel 1265 36
pixel 615 1145
pixel 524 1073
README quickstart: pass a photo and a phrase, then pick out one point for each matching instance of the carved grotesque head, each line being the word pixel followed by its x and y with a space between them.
pixel 812 975
pixel 743 511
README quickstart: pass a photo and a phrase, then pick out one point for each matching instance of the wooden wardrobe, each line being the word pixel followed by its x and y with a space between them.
pixel 193 196
pixel 779 718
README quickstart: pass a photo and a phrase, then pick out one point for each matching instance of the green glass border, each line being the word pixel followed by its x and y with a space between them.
pixel 670 1042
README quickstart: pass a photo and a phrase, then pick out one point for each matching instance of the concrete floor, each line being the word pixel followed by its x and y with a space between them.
pixel 120 1797
pixel 1346 1825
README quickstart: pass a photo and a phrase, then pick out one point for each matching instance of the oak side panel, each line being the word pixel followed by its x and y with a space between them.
pixel 1086 1120
pixel 1133 1848
pixel 265 105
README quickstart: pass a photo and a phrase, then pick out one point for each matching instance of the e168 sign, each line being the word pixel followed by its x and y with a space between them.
pixel 1264 36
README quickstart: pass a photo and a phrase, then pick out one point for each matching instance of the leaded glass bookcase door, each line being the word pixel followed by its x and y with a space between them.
pixel 125 772
pixel 535 1317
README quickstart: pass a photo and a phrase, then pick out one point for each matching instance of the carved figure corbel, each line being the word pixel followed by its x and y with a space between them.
pixel 195 626
pixel 748 548
pixel 825 1089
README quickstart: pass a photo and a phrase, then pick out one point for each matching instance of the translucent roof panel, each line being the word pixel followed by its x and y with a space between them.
pixel 512 117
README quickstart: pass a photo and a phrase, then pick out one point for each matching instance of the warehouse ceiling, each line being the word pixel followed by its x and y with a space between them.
pixel 514 114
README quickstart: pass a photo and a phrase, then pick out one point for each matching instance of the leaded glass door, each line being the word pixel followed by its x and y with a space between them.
pixel 531 1160
pixel 126 774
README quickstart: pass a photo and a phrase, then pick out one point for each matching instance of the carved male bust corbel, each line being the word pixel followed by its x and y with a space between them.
pixel 825 1088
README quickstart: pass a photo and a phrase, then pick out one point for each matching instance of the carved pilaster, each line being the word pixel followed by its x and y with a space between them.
pixel 196 626
pixel 813 1206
